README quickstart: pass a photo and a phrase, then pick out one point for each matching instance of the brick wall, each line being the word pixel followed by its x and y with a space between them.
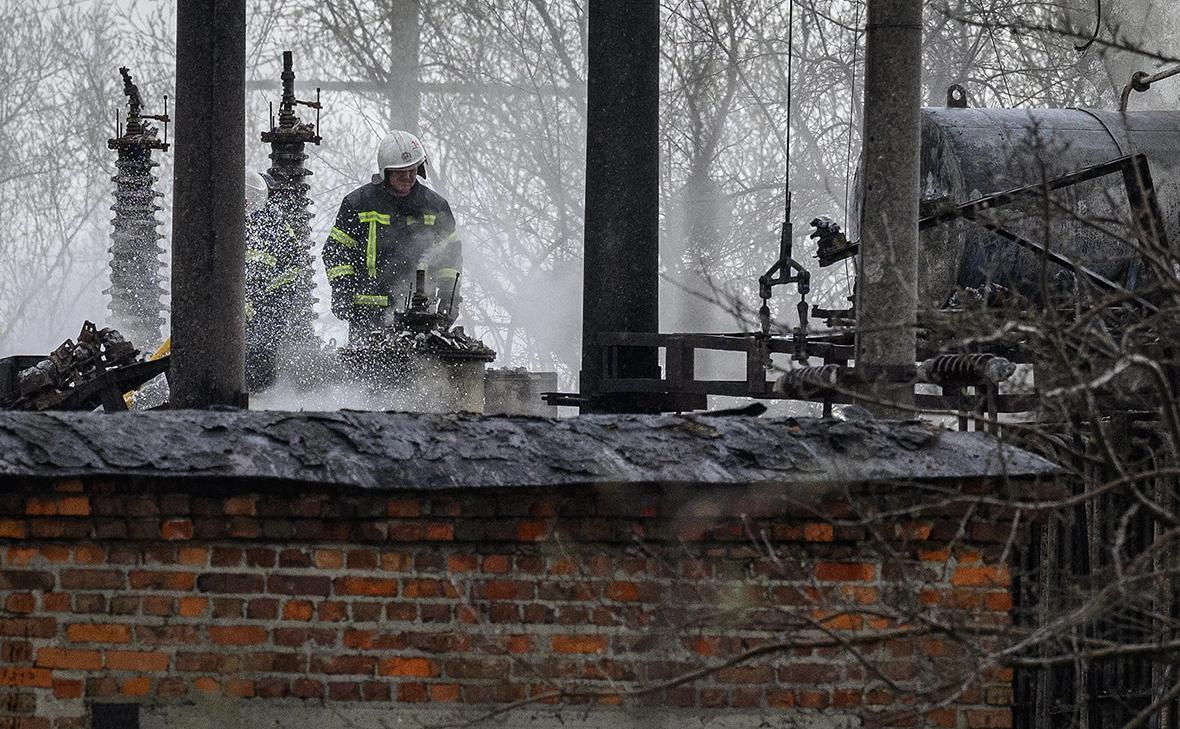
pixel 793 602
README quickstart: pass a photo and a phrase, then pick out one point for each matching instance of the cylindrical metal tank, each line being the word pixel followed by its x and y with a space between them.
pixel 968 153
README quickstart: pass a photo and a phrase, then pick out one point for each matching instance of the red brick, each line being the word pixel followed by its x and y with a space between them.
pixel 298 610
pixel 519 644
pixel 237 635
pixel 137 661
pixel 375 691
pixel 316 585
pixel 41 506
pixel 395 561
pixel 579 643
pixel 412 667
pixel 92 580
pixel 12 529
pixel 241 527
pixel 365 586
pixel 98 633
pixel 136 686
pixel 497 564
pixel 207 685
pixel 344 665
pixel 405 532
pixel 333 612
pixel 818 532
pixel 176 529
pixel 240 506
pixel 239 688
pixel 440 532
pixel 362 559
pixel 462 563
pixel 531 531
pixel 55 602
pixel 328 559
pixel 171 687
pixel 16 651
pixel 28 627
pixel 73 506
pixel 192 556
pixel 422 588
pixel 79 660
pixel 623 591
pixel 845 571
pixel 412 692
pixel 998 601
pixel 26 676
pixel 21 602
pixel 444 692
pixel 191 607
pixel 564 566
pixel 64 688
pixel 307 689
pixel 983 576
pixel 170 581
pixel 339 691
pixel 404 508
pixel 262 609
pixel 498 590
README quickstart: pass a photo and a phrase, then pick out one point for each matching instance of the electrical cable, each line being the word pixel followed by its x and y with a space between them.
pixel 1097 26
pixel 790 67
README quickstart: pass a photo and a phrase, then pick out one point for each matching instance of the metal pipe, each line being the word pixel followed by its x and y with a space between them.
pixel 886 291
pixel 621 278
pixel 1142 81
pixel 208 237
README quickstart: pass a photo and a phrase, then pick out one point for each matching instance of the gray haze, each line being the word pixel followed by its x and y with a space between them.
pixel 502 114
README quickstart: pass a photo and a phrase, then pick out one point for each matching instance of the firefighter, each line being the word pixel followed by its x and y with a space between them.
pixel 272 271
pixel 385 231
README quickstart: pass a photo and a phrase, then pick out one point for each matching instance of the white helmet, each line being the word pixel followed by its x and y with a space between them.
pixel 257 191
pixel 401 151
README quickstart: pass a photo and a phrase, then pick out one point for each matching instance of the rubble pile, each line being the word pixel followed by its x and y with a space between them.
pixel 54 379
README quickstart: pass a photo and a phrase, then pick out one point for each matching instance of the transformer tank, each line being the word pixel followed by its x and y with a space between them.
pixel 968 153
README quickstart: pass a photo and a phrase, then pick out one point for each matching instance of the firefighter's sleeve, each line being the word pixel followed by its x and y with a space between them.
pixel 445 260
pixel 286 253
pixel 260 265
pixel 344 259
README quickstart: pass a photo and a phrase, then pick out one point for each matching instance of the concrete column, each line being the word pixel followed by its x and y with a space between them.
pixel 887 276
pixel 208 236
pixel 621 279
pixel 404 93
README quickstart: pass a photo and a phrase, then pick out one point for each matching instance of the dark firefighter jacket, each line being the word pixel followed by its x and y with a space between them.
pixel 272 270
pixel 380 240
pixel 271 274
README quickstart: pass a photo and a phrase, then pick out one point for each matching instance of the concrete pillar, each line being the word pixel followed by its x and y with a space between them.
pixel 887 276
pixel 621 279
pixel 404 93
pixel 208 236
